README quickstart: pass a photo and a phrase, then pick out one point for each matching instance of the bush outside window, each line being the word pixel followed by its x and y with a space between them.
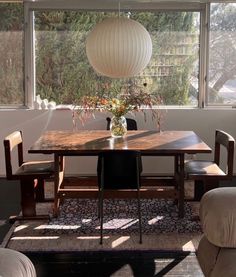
pixel 63 73
pixel 222 55
pixel 11 54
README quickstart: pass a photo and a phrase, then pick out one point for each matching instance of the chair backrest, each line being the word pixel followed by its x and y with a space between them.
pixel 119 169
pixel 224 139
pixel 10 142
pixel 131 123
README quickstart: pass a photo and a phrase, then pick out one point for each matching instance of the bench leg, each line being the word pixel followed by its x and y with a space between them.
pixel 198 190
pixel 28 204
pixel 209 185
pixel 200 187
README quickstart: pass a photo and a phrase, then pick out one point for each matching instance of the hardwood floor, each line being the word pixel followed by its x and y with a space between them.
pixel 97 263
pixel 115 263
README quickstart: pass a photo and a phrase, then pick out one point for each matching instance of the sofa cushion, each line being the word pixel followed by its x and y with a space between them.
pixel 225 264
pixel 207 254
pixel 218 216
pixel 15 264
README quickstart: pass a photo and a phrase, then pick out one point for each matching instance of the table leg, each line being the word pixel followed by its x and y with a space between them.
pixel 56 184
pixel 179 178
pixel 59 175
pixel 176 173
pixel 181 185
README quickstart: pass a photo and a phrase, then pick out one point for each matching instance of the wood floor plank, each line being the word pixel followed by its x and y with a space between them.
pixel 116 263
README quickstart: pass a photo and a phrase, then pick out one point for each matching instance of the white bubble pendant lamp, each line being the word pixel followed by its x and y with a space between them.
pixel 119 47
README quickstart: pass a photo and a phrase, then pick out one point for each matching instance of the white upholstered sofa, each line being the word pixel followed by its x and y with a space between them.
pixel 217 249
pixel 15 264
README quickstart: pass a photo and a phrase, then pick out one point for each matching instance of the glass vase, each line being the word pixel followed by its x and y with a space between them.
pixel 118 126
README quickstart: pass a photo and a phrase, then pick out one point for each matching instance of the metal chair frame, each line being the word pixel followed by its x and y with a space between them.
pixel 104 157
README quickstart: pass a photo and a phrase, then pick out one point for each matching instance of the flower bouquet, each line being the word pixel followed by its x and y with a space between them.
pixel 132 100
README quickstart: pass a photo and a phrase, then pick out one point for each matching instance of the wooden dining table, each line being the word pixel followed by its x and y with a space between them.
pixel 148 142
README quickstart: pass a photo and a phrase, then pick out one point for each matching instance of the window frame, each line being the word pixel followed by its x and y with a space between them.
pixel 82 5
pixel 206 97
pixel 30 7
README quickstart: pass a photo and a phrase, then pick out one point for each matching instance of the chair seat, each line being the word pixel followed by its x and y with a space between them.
pixel 36 168
pixel 199 169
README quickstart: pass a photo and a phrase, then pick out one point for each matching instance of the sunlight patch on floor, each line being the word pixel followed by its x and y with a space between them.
pixel 91 237
pixel 36 238
pixel 188 246
pixel 119 241
pixel 118 223
pixel 155 220
pixel 20 227
pixel 57 227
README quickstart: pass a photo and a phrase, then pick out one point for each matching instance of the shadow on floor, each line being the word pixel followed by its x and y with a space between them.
pixel 9 204
pixel 115 263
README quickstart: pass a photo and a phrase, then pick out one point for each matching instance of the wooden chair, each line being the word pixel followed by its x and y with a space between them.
pixel 118 170
pixel 207 174
pixel 31 175
pixel 131 123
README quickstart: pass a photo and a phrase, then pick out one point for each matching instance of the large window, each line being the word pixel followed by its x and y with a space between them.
pixel 11 55
pixel 222 58
pixel 57 69
pixel 63 73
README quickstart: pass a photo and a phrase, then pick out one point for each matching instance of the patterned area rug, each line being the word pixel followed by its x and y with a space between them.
pixel 159 216
pixel 77 227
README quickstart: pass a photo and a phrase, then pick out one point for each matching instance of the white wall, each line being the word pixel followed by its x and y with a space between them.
pixel 34 122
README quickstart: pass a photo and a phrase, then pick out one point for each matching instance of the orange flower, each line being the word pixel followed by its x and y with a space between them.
pixel 103 101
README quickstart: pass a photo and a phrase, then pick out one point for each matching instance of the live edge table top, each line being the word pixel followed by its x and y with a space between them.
pixel 93 141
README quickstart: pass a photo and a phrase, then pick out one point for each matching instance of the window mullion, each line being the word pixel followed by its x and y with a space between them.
pixel 29 56
pixel 203 58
